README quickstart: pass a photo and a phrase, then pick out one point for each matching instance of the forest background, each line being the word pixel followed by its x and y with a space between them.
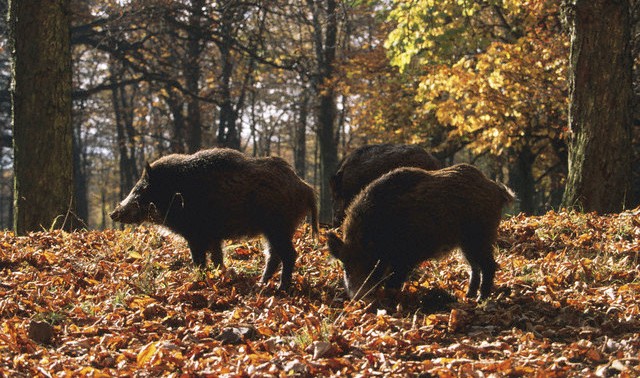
pixel 484 82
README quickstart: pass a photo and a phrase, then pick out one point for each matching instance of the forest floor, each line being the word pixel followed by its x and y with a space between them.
pixel 120 303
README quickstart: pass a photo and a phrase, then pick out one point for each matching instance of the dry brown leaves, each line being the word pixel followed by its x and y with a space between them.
pixel 129 303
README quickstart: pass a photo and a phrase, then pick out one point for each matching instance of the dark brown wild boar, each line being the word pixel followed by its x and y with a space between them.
pixel 219 194
pixel 366 164
pixel 410 215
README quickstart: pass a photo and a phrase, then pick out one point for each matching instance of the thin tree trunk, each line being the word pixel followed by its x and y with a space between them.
pixel 227 131
pixel 600 111
pixel 80 167
pixel 300 136
pixel 175 106
pixel 325 96
pixel 126 153
pixel 42 128
pixel 522 181
pixel 192 76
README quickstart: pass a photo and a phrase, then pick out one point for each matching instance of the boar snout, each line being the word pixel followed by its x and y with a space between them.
pixel 115 214
pixel 126 214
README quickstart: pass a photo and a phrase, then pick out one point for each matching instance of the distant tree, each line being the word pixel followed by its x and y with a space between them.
pixel 600 111
pixel 324 22
pixel 41 106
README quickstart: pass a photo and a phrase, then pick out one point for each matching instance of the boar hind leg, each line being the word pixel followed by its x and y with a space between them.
pixel 483 269
pixel 198 253
pixel 215 249
pixel 488 269
pixel 474 281
pixel 271 265
pixel 280 250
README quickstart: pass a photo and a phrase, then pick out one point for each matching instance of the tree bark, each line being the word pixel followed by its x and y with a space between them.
pixel 300 136
pixel 81 168
pixel 124 137
pixel 192 76
pixel 228 135
pixel 325 96
pixel 174 102
pixel 522 181
pixel 600 110
pixel 41 107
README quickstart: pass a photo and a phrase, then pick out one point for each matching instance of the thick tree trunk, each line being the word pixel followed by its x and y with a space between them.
pixel 42 128
pixel 600 107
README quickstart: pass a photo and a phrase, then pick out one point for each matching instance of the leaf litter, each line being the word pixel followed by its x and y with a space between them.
pixel 119 303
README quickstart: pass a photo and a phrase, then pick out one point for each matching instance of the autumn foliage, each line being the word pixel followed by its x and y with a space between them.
pixel 124 302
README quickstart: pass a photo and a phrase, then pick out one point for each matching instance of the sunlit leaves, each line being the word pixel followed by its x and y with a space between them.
pixel 495 71
pixel 511 94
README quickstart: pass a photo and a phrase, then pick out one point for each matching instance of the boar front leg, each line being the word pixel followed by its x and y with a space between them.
pixel 396 277
pixel 199 250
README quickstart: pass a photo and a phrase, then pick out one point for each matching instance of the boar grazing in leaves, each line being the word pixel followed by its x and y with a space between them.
pixel 410 215
pixel 219 194
pixel 366 164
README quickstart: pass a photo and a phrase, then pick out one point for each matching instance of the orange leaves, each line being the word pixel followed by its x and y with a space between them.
pixel 566 303
pixel 160 354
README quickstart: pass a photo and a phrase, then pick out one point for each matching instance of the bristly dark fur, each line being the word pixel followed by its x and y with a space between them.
pixel 218 194
pixel 366 164
pixel 410 215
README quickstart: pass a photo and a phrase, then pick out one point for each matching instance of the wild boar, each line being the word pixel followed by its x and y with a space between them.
pixel 218 194
pixel 366 164
pixel 410 215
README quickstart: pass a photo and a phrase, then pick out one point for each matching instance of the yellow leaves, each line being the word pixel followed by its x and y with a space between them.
pixel 160 353
pixel 496 80
pixel 135 255
pixel 141 302
pixel 495 93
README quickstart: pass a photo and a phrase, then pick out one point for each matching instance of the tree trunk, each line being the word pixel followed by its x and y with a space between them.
pixel 600 107
pixel 175 106
pixel 227 131
pixel 522 181
pixel 124 138
pixel 192 76
pixel 41 107
pixel 300 136
pixel 80 167
pixel 325 96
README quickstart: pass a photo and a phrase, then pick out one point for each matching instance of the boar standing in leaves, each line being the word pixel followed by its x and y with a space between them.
pixel 410 215
pixel 366 164
pixel 219 194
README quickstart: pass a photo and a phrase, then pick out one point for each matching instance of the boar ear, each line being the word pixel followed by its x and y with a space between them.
pixel 335 245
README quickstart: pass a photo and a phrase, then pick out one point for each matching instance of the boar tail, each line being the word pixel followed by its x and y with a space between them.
pixel 508 195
